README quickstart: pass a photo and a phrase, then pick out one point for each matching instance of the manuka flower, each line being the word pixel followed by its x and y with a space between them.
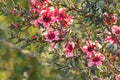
pixel 110 19
pixel 116 30
pixel 47 17
pixel 67 21
pixel 96 59
pixel 63 17
pixel 110 39
pixel 60 14
pixel 38 5
pixel 68 48
pixel 52 36
pixel 89 49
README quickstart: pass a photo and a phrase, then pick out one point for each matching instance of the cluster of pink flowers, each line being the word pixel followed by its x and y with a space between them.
pixel 111 18
pixel 116 32
pixel 47 16
pixel 91 53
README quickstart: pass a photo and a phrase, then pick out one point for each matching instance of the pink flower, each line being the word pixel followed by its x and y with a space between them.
pixel 96 59
pixel 118 77
pixel 47 17
pixel 63 17
pixel 110 19
pixel 13 12
pixel 52 36
pixel 38 5
pixel 60 14
pixel 68 48
pixel 116 30
pixel 33 2
pixel 67 21
pixel 63 32
pixel 89 49
pixel 35 22
pixel 110 39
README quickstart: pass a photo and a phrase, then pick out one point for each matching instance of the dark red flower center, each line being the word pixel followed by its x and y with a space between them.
pixel 46 19
pixel 70 47
pixel 61 15
pixel 117 32
pixel 42 0
pixel 91 48
pixel 51 36
pixel 96 59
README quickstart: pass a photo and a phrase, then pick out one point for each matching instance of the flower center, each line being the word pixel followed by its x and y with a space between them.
pixel 47 19
pixel 69 47
pixel 42 0
pixel 61 16
pixel 117 32
pixel 90 48
pixel 96 59
pixel 51 36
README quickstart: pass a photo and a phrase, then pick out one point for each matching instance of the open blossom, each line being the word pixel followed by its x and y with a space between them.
pixel 68 48
pixel 47 17
pixel 116 30
pixel 67 21
pixel 63 17
pixel 110 39
pixel 117 77
pixel 52 36
pixel 60 14
pixel 96 59
pixel 89 49
pixel 110 19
